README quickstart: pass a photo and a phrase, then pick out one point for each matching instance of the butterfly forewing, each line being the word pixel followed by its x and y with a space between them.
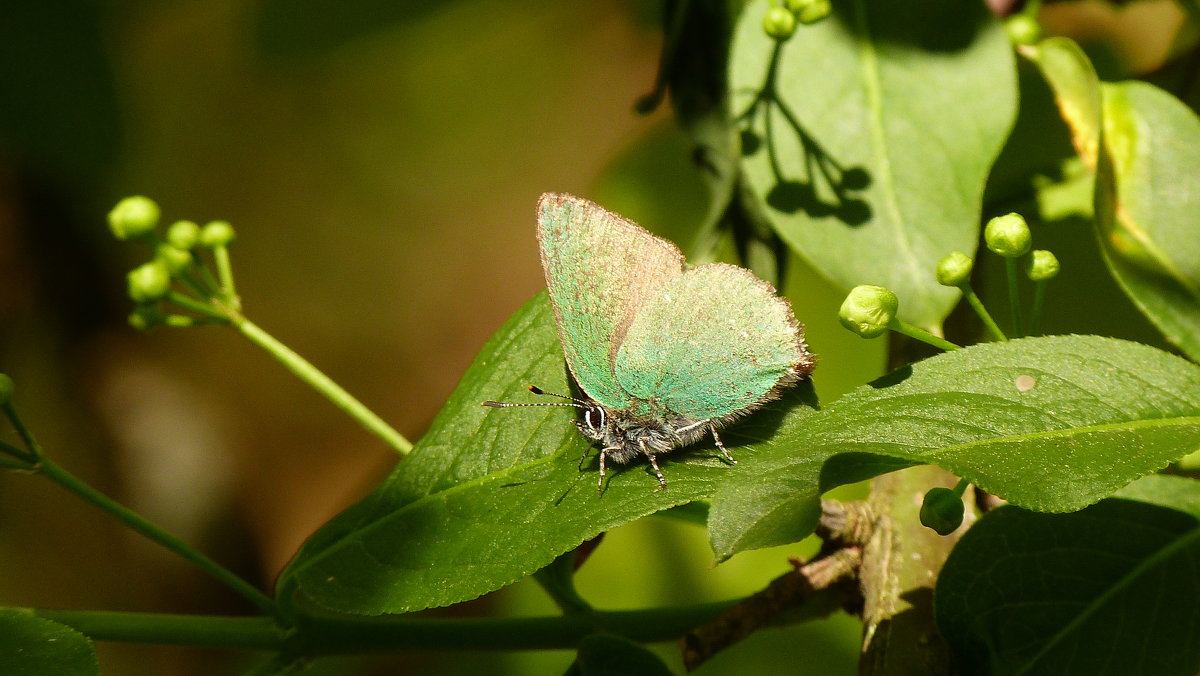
pixel 600 270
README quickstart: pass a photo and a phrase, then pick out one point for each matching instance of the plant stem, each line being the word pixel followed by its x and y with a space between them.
pixel 225 274
pixel 1014 298
pixel 200 308
pixel 323 384
pixel 901 326
pixel 1039 301
pixel 348 634
pixel 62 477
pixel 247 633
pixel 31 444
pixel 984 315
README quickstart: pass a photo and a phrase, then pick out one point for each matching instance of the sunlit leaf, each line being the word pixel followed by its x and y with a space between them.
pixel 1052 424
pixel 875 130
pixel 1147 201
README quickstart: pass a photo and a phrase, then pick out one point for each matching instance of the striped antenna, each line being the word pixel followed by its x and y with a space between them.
pixel 573 402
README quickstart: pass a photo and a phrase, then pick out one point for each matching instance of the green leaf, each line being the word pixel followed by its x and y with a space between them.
pixel 1111 589
pixel 876 138
pixel 1076 87
pixel 1146 206
pixel 609 655
pixel 34 646
pixel 491 495
pixel 1088 416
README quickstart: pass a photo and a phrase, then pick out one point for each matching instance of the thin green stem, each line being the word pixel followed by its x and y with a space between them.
pixel 1039 301
pixel 961 487
pixel 199 307
pixel 62 477
pixel 24 459
pixel 329 634
pixel 225 274
pixel 984 315
pixel 323 384
pixel 194 284
pixel 6 463
pixel 915 332
pixel 209 283
pixel 246 633
pixel 1014 297
pixel 34 450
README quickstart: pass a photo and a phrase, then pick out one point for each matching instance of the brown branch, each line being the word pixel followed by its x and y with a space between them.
pixel 813 590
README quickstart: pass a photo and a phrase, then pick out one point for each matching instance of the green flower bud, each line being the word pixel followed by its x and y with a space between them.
pixel 216 233
pixel 149 282
pixel 146 316
pixel 779 23
pixel 6 389
pixel 133 217
pixel 1023 29
pixel 1042 265
pixel 955 269
pixel 1008 236
pixel 810 11
pixel 868 310
pixel 942 510
pixel 183 235
pixel 177 260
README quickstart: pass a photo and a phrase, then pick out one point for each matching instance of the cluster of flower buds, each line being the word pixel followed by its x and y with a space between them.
pixel 176 260
pixel 870 311
pixel 780 20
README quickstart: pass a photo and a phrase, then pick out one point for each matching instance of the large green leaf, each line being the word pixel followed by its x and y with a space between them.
pixel 1147 202
pixel 1076 88
pixel 870 153
pixel 34 646
pixel 1112 589
pixel 491 495
pixel 1052 424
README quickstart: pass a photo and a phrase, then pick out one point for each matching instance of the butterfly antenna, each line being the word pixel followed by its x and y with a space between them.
pixel 573 402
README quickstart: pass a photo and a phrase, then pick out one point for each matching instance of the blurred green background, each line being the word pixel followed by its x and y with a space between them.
pixel 381 162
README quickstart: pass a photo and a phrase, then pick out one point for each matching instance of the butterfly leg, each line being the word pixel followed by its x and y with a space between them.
pixel 603 457
pixel 720 445
pixel 662 482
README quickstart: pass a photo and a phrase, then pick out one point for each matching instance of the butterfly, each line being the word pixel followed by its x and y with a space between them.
pixel 663 353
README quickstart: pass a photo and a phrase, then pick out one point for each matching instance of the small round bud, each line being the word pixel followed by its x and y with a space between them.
pixel 183 235
pixel 146 316
pixel 148 282
pixel 868 310
pixel 1023 29
pixel 216 233
pixel 1008 236
pixel 6 389
pixel 176 260
pixel 955 269
pixel 1042 265
pixel 810 11
pixel 133 217
pixel 779 23
pixel 942 510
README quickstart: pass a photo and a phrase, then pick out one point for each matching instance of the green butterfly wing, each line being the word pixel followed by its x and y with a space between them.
pixel 713 342
pixel 600 270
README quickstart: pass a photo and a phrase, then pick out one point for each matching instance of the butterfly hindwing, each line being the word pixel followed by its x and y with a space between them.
pixel 713 342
